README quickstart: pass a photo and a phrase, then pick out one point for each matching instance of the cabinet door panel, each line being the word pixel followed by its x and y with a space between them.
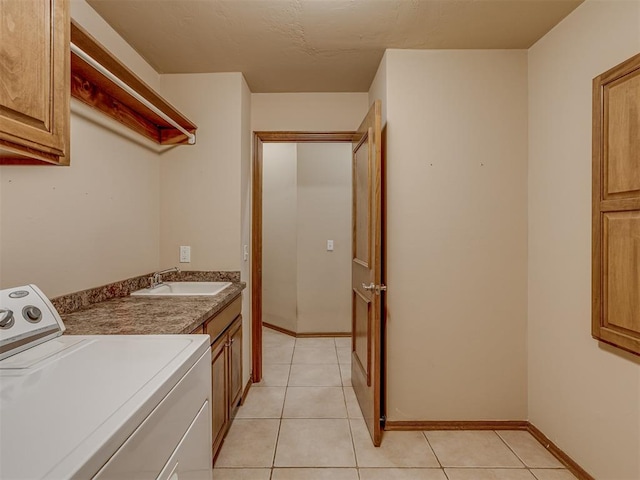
pixel 621 270
pixel 622 133
pixel 24 46
pixel 235 360
pixel 219 392
pixel 34 79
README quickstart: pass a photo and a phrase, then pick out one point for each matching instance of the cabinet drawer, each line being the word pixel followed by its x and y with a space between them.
pixel 215 326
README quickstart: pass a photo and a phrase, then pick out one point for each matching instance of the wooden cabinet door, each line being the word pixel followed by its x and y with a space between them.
pixel 34 81
pixel 235 364
pixel 616 206
pixel 219 391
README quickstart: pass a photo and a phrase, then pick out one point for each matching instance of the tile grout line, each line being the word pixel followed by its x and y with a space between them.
pixel 275 450
pixel 516 454
pixel 353 442
pixel 424 434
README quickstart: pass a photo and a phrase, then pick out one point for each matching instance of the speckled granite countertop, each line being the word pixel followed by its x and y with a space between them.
pixel 148 315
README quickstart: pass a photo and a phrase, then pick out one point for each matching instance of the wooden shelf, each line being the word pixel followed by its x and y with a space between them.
pixel 91 87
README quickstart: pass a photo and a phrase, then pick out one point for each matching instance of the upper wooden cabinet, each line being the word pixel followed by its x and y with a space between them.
pixel 34 81
pixel 616 206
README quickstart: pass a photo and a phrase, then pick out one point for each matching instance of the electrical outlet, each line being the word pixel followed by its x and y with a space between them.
pixel 185 254
pixel 329 245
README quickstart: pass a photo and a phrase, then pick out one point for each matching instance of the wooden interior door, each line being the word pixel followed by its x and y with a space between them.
pixel 367 288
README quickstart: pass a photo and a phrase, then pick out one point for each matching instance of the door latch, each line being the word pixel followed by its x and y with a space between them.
pixel 374 288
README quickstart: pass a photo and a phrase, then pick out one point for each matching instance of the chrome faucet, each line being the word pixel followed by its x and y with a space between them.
pixel 155 280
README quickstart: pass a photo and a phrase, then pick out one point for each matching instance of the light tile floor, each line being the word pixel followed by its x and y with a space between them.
pixel 303 422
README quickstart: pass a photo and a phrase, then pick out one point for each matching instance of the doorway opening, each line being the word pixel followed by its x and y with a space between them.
pixel 258 234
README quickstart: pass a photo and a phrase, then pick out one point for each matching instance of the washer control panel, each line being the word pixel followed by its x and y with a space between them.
pixel 27 318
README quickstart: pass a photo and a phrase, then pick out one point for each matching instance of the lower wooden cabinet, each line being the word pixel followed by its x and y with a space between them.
pixel 226 380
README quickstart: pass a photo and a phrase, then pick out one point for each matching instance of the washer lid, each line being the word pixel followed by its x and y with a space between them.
pixel 77 405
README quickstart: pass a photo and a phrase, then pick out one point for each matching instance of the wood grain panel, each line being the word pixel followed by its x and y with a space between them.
pixel 362 201
pixel 34 82
pixel 91 94
pixel 615 317
pixel 303 137
pixel 220 392
pixel 622 134
pixel 621 247
pixel 235 365
pixel 361 353
pixel 219 323
pixel 97 91
pixel 429 425
pixel 26 63
pixel 366 271
pixel 305 334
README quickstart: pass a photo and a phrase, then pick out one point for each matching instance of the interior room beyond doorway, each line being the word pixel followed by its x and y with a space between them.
pixel 306 238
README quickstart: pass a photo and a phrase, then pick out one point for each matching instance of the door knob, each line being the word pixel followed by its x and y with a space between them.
pixel 374 288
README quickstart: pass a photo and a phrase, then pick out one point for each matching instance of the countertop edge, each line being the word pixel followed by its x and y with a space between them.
pixel 140 315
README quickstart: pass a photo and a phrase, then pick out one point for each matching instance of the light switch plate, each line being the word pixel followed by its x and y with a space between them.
pixel 329 245
pixel 185 254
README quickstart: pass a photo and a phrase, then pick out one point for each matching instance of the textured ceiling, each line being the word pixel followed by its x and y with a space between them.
pixel 318 45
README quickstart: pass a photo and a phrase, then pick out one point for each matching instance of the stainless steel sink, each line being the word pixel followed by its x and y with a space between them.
pixel 169 289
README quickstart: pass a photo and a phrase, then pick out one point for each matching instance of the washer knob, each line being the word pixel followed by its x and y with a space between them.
pixel 6 318
pixel 32 314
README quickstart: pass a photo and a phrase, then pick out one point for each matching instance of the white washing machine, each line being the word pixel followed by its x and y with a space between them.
pixel 102 407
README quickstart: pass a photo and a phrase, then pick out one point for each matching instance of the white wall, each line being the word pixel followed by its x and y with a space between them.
pixel 279 235
pixel 324 213
pixel 456 234
pixel 246 139
pixel 378 89
pixel 306 201
pixel 201 183
pixel 585 396
pixel 307 111
pixel 96 221
pixel 205 187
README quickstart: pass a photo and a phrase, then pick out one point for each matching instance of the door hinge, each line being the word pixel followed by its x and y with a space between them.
pixel 383 421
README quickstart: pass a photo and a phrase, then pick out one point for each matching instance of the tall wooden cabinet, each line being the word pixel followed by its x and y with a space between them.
pixel 34 81
pixel 616 206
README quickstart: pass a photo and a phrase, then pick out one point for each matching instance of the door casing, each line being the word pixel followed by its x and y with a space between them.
pixel 256 225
